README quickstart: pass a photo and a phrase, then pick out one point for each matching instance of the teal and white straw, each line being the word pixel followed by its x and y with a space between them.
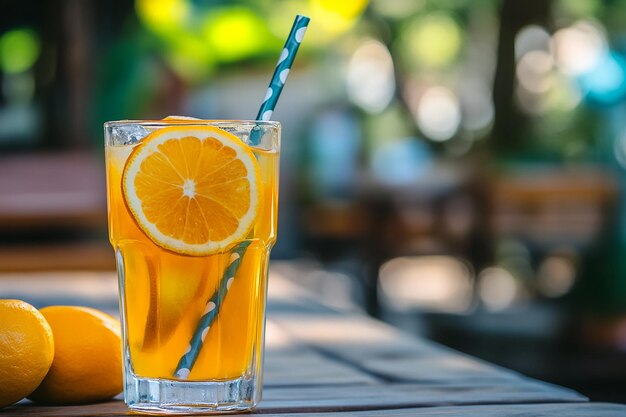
pixel 282 67
pixel 187 361
pixel 210 313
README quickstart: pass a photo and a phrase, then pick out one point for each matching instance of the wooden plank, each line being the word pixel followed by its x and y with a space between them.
pixel 288 363
pixel 387 353
pixel 26 408
pixel 389 396
pixel 433 368
pixel 306 367
pixel 352 335
pixel 525 410
pixel 286 298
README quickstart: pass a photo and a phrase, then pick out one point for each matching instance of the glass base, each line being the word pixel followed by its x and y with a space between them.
pixel 162 396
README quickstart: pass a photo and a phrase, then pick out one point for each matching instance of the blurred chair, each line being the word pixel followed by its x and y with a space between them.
pixel 53 212
pixel 552 207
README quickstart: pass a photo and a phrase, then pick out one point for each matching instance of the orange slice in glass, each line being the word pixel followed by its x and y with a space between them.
pixel 193 189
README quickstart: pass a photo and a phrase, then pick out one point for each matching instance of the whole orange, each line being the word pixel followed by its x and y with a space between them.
pixel 26 350
pixel 87 365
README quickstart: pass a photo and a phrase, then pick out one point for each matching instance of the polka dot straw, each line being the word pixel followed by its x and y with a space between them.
pixel 285 61
pixel 288 54
pixel 210 313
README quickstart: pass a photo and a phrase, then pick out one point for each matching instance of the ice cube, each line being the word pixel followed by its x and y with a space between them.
pixel 128 134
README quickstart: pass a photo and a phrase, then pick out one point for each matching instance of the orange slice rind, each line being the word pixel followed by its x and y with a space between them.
pixel 193 190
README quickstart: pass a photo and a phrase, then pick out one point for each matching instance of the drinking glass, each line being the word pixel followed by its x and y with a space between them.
pixel 165 295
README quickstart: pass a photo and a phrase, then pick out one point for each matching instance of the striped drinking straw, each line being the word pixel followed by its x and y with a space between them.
pixel 212 308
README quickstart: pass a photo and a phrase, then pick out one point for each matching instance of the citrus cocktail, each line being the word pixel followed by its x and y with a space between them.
pixel 192 218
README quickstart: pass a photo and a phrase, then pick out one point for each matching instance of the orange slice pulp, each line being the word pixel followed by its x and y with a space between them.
pixel 193 190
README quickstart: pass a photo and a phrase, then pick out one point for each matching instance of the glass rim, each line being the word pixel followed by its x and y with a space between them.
pixel 192 122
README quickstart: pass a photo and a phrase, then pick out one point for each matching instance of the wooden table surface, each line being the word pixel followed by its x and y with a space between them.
pixel 322 362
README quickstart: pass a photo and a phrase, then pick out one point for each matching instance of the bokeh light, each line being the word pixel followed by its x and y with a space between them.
pixel 432 283
pixel 556 276
pixel 234 33
pixel 606 82
pixel 190 57
pixel 335 141
pixel 531 38
pixel 439 113
pixel 370 77
pixel 579 48
pixel 534 71
pixel 329 19
pixel 401 161
pixel 335 17
pixel 19 50
pixel 432 41
pixel 564 95
pixel 163 16
pixel 497 288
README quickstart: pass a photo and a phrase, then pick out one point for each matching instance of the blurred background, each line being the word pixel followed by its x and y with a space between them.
pixel 456 168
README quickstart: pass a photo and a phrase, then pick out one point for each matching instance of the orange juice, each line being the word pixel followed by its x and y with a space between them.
pixel 163 293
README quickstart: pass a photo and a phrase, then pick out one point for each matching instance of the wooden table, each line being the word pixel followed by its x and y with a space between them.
pixel 322 362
